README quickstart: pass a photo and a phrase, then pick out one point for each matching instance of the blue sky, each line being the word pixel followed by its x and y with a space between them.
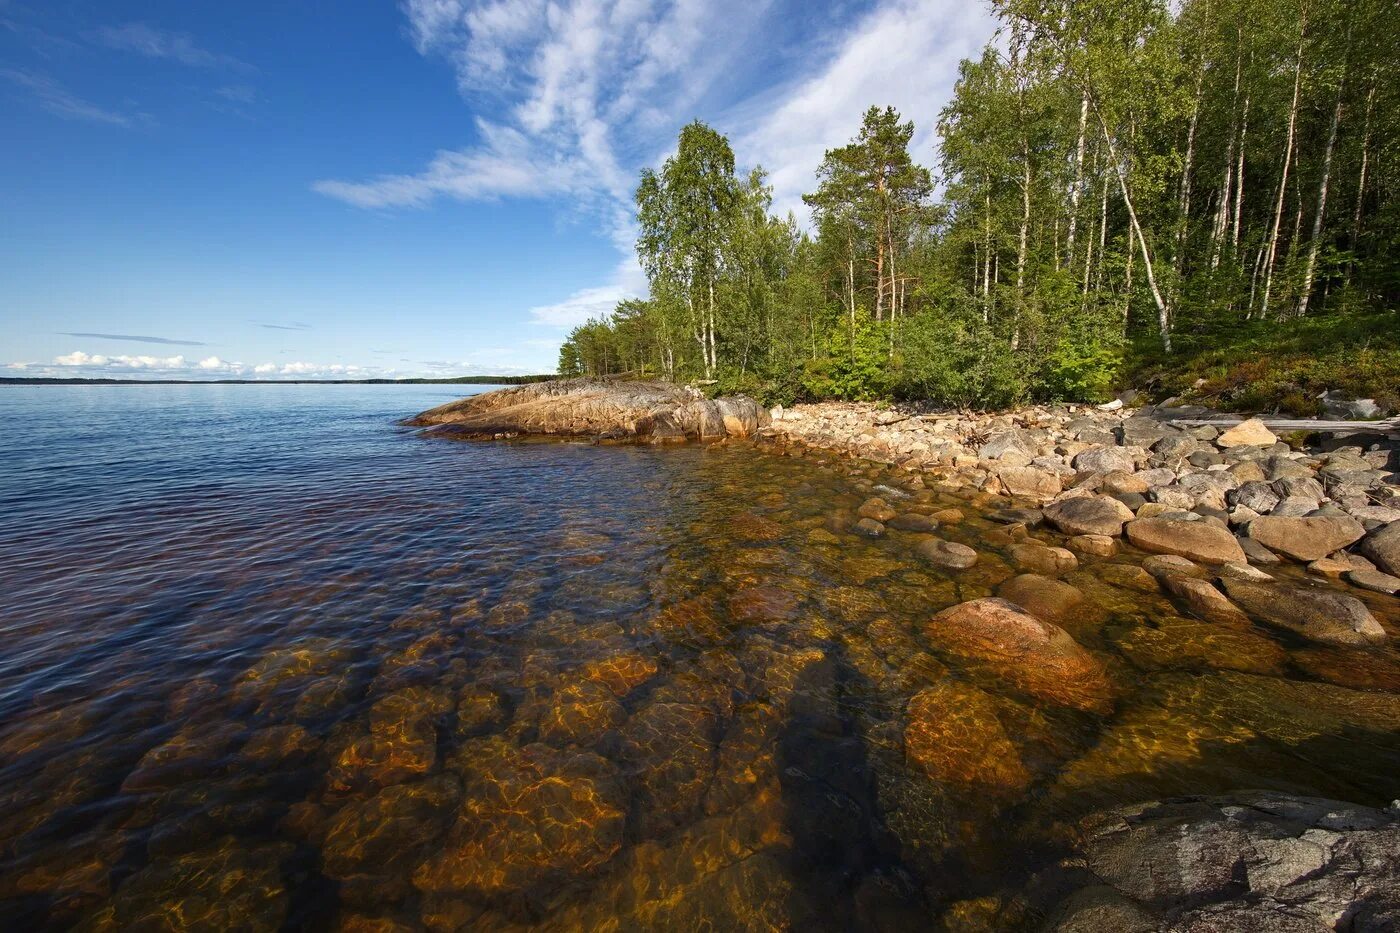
pixel 434 187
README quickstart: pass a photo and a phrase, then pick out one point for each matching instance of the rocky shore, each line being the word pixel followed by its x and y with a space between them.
pixel 1234 496
pixel 610 409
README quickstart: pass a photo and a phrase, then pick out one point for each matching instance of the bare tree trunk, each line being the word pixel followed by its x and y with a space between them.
pixel 1287 164
pixel 987 266
pixel 1075 191
pixel 1361 180
pixel 1025 223
pixel 1184 200
pixel 1316 242
pixel 1239 181
pixel 1164 309
pixel 1222 214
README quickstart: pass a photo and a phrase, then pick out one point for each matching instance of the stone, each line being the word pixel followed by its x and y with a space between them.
pixel 650 411
pixel 1104 460
pixel 1089 515
pixel 1305 539
pixel 1007 442
pixel 1031 518
pixel 1300 487
pixel 1093 545
pixel 1143 432
pixel 955 737
pixel 1383 547
pixel 1203 600
pixel 1028 482
pixel 1250 433
pixel 1043 597
pixel 1165 565
pixel 1315 614
pixel 1198 541
pixel 1257 553
pixel 1037 558
pixel 1244 572
pixel 1116 483
pixel 1374 580
pixel 234 885
pixel 527 815
pixel 913 521
pixel 1255 495
pixel 1037 657
pixel 869 528
pixel 386 834
pixel 948 554
pixel 877 509
pixel 1252 861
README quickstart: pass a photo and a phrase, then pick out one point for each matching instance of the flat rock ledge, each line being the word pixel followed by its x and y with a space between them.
pixel 609 409
pixel 1251 861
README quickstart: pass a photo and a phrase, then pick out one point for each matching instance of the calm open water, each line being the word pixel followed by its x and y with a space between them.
pixel 269 661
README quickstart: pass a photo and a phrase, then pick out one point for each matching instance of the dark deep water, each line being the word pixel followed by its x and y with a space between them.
pixel 269 661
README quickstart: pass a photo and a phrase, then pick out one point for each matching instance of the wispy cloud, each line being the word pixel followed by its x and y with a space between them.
pixel 134 338
pixel 151 42
pixel 289 325
pixel 238 93
pixel 580 94
pixel 59 101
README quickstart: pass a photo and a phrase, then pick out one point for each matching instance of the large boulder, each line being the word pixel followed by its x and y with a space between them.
pixel 1006 642
pixel 1089 515
pixel 1198 541
pixel 1383 547
pixel 1315 614
pixel 1306 539
pixel 1104 460
pixel 1028 482
pixel 1252 861
pixel 612 408
pixel 1251 433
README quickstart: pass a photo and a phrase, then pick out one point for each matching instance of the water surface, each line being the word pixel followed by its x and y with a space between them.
pixel 270 661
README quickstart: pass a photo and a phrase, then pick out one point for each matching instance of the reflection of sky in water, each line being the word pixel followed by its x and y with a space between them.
pixel 270 659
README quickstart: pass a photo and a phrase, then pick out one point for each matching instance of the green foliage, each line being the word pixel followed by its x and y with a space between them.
pixel 1131 190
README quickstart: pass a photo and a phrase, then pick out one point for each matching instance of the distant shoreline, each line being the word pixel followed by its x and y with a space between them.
pixel 458 380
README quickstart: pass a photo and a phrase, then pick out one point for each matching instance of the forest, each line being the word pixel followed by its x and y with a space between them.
pixel 1191 197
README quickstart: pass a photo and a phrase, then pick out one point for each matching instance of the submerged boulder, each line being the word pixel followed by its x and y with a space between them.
pixel 1315 614
pixel 1008 643
pixel 613 408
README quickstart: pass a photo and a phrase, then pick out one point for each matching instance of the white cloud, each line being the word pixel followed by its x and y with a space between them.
pixel 583 93
pixel 904 54
pixel 56 99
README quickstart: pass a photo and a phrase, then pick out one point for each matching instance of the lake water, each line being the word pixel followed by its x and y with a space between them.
pixel 270 661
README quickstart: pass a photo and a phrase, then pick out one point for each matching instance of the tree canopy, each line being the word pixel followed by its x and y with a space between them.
pixel 1121 184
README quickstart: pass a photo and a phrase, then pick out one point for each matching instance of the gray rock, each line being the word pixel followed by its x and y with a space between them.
pixel 947 554
pixel 1257 496
pixel 1383 548
pixel 1008 441
pixel 1143 432
pixel 1251 862
pixel 1374 580
pixel 1299 487
pixel 1258 554
pixel 1316 614
pixel 1337 407
pixel 1294 507
pixel 1279 467
pixel 1088 515
pixel 1104 460
pixel 869 527
pixel 1306 539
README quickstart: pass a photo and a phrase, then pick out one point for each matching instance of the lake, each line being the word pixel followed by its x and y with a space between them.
pixel 270 661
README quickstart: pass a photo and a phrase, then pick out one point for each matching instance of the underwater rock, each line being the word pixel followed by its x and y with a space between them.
pixel 1043 597
pixel 1035 656
pixel 1316 614
pixel 385 834
pixel 1035 557
pixel 232 886
pixel 947 554
pixel 527 815
pixel 954 736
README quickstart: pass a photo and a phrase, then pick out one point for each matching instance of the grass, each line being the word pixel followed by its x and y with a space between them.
pixel 1268 366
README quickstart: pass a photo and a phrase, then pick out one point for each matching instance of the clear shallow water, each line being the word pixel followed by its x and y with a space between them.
pixel 269 661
